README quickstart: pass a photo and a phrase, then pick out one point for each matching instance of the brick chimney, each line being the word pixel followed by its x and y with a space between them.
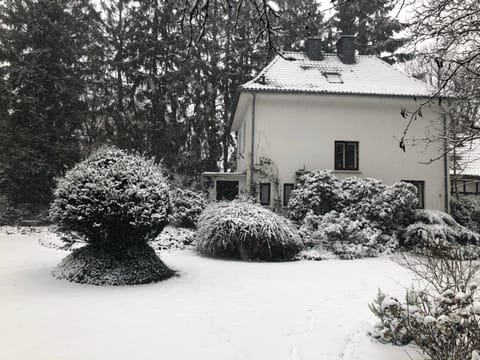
pixel 313 48
pixel 346 48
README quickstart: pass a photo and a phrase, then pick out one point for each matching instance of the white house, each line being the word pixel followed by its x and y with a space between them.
pixel 338 111
pixel 465 169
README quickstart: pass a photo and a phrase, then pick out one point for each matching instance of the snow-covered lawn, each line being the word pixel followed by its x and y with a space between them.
pixel 214 309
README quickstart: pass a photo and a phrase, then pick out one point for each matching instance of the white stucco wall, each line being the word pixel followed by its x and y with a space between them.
pixel 299 130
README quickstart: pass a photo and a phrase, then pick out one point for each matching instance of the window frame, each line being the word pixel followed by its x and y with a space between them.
pixel 285 200
pixel 357 151
pixel 268 193
pixel 421 201
pixel 333 77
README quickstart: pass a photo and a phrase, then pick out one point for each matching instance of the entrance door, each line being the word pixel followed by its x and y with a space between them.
pixel 227 190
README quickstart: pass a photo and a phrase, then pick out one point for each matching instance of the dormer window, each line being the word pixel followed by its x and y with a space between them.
pixel 333 77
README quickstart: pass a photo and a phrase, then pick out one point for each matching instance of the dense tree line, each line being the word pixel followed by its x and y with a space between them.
pixel 156 76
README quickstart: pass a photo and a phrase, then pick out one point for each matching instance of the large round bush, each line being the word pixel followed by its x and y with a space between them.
pixel 115 202
pixel 244 230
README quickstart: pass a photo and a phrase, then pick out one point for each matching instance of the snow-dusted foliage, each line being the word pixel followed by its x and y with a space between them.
pixel 99 266
pixel 173 238
pixel 365 218
pixel 244 230
pixel 187 207
pixel 318 191
pixel 441 313
pixel 391 313
pixel 115 202
pixel 466 211
pixel 112 198
pixel 432 228
pixel 387 207
pixel 343 236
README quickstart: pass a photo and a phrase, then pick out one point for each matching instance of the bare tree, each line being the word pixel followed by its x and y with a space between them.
pixel 446 36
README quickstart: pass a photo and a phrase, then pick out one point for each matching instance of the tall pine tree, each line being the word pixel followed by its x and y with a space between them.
pixel 43 45
pixel 372 21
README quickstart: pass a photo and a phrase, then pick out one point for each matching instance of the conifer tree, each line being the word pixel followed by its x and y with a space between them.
pixel 43 47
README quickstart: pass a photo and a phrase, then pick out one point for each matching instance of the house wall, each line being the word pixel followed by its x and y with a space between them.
pixel 298 131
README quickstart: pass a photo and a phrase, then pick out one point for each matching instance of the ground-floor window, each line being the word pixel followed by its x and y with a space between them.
pixel 420 185
pixel 227 189
pixel 265 193
pixel 287 189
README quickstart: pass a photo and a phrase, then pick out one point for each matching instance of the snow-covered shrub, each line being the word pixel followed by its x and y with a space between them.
pixel 391 313
pixel 432 228
pixel 173 238
pixel 318 191
pixel 442 317
pixel 187 207
pixel 466 211
pixel 115 202
pixel 99 266
pixel 394 207
pixel 367 216
pixel 346 237
pixel 386 207
pixel 243 230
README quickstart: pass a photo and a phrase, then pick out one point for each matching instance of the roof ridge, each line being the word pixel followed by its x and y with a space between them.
pixel 329 54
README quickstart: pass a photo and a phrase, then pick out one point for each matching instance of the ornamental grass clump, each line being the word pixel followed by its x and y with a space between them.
pixel 244 230
pixel 115 203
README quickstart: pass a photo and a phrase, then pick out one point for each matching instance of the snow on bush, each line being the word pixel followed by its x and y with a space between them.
pixel 442 315
pixel 341 235
pixel 99 266
pixel 387 207
pixel 432 228
pixel 173 238
pixel 115 202
pixel 466 211
pixel 187 207
pixel 317 191
pixel 391 327
pixel 364 217
pixel 244 230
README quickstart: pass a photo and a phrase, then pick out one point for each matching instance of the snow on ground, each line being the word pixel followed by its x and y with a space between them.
pixel 214 309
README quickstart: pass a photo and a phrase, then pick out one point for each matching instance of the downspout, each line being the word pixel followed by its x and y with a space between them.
pixel 252 156
pixel 445 163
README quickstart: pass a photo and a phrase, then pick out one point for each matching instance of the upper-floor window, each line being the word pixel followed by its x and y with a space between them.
pixel 420 185
pixel 346 155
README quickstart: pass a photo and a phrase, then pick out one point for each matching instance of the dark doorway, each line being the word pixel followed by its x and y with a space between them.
pixel 227 190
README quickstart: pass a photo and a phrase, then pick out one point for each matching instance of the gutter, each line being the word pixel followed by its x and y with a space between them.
pixel 336 93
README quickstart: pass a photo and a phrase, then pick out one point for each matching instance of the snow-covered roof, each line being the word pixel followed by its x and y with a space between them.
pixel 294 72
pixel 468 159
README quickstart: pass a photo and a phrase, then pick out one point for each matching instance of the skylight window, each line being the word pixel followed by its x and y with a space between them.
pixel 333 77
